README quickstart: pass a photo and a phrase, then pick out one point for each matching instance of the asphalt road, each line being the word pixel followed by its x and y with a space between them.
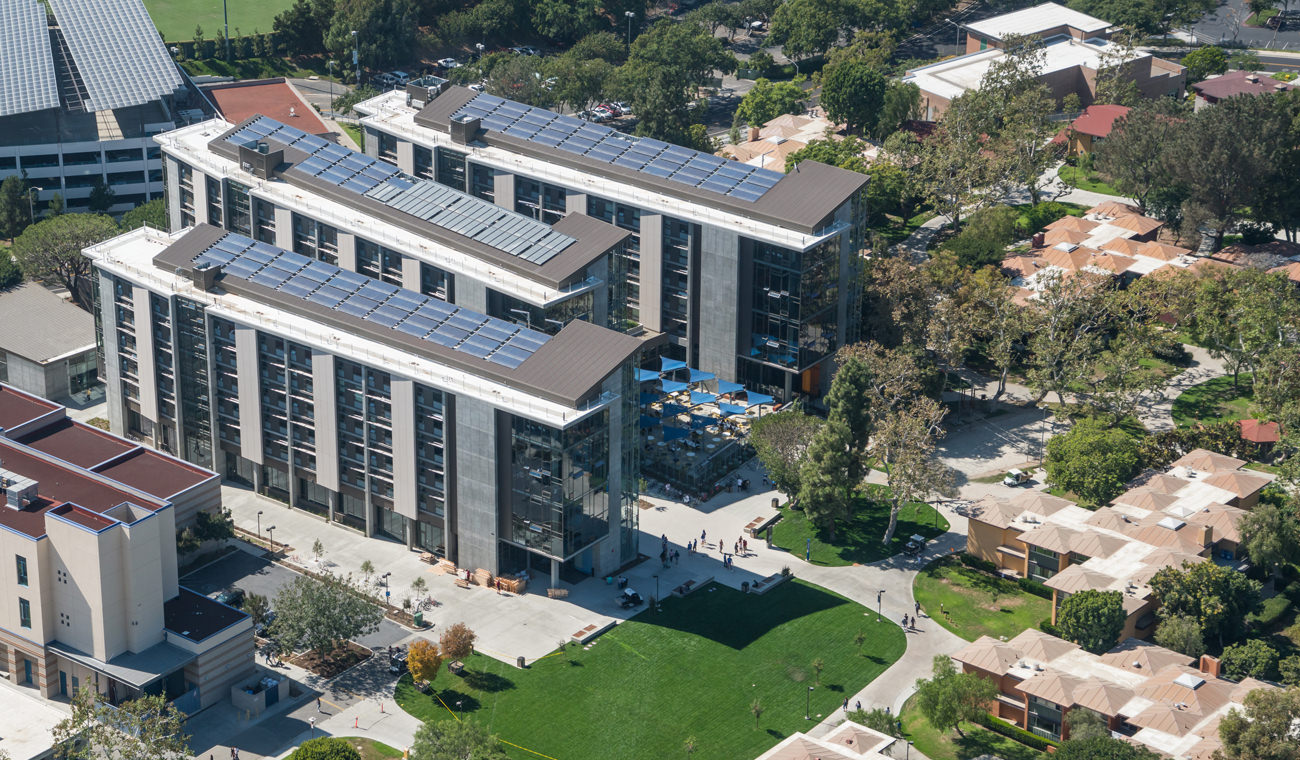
pixel 256 575
pixel 1223 24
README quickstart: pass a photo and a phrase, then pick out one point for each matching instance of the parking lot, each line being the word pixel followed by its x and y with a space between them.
pixel 257 575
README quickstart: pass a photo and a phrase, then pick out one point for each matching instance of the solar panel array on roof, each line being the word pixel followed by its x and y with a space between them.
pixel 118 52
pixel 27 81
pixel 654 157
pixel 331 162
pixel 379 303
pixel 475 218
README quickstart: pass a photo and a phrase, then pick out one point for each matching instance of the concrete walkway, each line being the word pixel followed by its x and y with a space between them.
pixel 1158 415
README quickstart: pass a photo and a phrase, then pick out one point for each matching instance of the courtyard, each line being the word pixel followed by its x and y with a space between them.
pixel 693 670
pixel 972 603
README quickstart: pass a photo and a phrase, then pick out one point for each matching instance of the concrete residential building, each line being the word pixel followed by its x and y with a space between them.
pixel 83 87
pixel 1075 45
pixel 88 539
pixel 1189 513
pixel 1147 694
pixel 376 407
pixel 47 346
pixel 739 267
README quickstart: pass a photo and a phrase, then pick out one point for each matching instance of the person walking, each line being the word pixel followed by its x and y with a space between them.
pixel 918 608
pixel 857 705
pixel 703 536
pixel 846 705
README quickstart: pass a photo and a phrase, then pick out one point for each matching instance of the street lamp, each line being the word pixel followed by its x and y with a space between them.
pixel 384 578
pixel 880 595
pixel 259 525
pixel 630 15
pixel 957 40
pixel 31 207
pixel 270 532
pixel 479 47
pixel 657 607
pixel 909 750
pixel 226 19
pixel 807 705
pixel 356 57
pixel 330 65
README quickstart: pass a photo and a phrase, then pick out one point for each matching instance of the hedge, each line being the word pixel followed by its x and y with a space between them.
pixel 1046 627
pixel 1271 612
pixel 999 726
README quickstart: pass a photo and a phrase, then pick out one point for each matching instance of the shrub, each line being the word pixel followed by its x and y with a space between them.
pixel 1271 612
pixel 10 274
pixel 1290 670
pixel 1031 586
pixel 1046 627
pixel 1094 460
pixel 325 748
pixel 985 236
pixel 999 726
pixel 1035 218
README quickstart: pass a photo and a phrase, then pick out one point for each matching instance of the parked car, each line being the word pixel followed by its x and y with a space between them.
pixel 233 596
pixel 400 78
pixel 449 63
pixel 478 86
pixel 524 50
pixel 385 80
pixel 915 544
pixel 1016 478
pixel 595 115
pixel 623 108
pixel 265 626
pixel 607 111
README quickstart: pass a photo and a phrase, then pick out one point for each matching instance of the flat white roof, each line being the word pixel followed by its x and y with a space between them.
pixel 1037 20
pixel 952 77
pixel 27 722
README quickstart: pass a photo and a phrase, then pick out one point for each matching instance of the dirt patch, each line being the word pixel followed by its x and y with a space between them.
pixel 337 662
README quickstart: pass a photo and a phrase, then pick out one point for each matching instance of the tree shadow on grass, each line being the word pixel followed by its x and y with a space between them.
pixel 725 615
pixel 458 701
pixel 488 682
pixel 978 743
pixel 775 734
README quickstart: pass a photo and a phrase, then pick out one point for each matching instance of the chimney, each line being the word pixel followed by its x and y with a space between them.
pixel 1252 77
pixel 1210 665
pixel 1280 87
pixel 204 276
pixel 753 134
pixel 465 130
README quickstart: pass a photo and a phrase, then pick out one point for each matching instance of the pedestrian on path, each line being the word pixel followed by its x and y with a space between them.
pixel 857 705
pixel 703 536
pixel 918 608
pixel 846 705
pixel 318 704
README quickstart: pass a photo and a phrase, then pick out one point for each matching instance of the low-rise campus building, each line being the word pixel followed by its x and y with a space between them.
pixel 847 741
pixel 88 540
pixel 1147 694
pixel 47 346
pixel 1188 513
pixel 1234 83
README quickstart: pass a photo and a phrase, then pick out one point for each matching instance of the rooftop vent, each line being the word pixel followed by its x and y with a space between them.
pixel 1172 523
pixel 1067 247
pixel 1252 77
pixel 1190 680
pixel 19 491
pixel 1137 665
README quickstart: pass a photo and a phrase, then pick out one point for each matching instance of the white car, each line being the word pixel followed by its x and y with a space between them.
pixel 623 108
pixel 400 78
pixel 1016 478
pixel 449 63
pixel 524 50
pixel 478 87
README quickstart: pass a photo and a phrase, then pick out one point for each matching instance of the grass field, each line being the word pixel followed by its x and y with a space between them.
pixel 692 670
pixel 1215 401
pixel 977 604
pixel 859 539
pixel 947 745
pixel 176 19
pixel 1090 181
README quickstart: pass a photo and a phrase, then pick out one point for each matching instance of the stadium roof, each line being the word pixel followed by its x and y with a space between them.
pixel 27 81
pixel 117 52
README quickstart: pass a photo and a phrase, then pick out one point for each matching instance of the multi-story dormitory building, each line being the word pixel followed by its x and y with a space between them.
pixel 746 271
pixel 376 406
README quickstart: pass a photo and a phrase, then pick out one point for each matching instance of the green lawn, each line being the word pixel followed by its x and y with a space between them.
pixel 1090 181
pixel 900 229
pixel 692 670
pixel 1215 401
pixel 857 541
pixel 977 604
pixel 947 745
pixel 176 19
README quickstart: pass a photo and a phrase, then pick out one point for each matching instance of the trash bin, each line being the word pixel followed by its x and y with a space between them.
pixel 776 503
pixel 520 662
pixel 419 618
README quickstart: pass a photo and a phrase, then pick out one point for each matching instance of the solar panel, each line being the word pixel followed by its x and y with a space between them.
pixel 27 80
pixel 117 52
pixel 377 303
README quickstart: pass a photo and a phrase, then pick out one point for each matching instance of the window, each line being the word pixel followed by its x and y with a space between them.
pixel 24 613
pixel 22 570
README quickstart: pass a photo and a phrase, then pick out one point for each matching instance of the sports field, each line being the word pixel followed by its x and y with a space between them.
pixel 176 19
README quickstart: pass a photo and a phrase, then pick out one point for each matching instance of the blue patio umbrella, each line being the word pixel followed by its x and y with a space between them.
pixel 675 434
pixel 757 398
pixel 699 397
pixel 725 387
pixel 731 409
pixel 646 375
pixel 649 398
pixel 648 422
pixel 672 386
pixel 672 410
pixel 699 422
pixel 668 365
pixel 699 376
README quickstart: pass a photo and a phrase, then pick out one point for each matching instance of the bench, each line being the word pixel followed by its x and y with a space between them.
pixel 557 593
pixel 769 583
pixel 462 583
pixel 759 525
pixel 692 586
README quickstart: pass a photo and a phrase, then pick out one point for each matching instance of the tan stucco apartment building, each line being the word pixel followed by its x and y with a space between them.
pixel 88 566
pixel 1188 513
pixel 1075 45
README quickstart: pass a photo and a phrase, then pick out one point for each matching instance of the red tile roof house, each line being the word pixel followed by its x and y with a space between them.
pixel 1091 127
pixel 1235 83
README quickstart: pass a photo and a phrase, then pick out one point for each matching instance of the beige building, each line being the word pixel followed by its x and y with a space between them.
pixel 1149 695
pixel 88 563
pixel 1189 513
pixel 847 741
pixel 1075 44
pixel 767 147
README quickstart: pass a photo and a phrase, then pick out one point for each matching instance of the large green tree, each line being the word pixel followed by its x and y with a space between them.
pixel 1241 315
pixel 804 28
pixel 455 740
pixel 1102 748
pixel 1093 459
pixel 665 65
pixel 145 728
pixel 50 250
pixel 14 211
pixel 322 615
pixel 385 31
pixel 1181 633
pixel 853 92
pixel 1218 598
pixel 1252 658
pixel 1265 730
pixel 767 100
pixel 836 461
pixel 326 748
pixel 1205 62
pixel 300 29
pixel 1139 15
pixel 1271 537
pixel 1134 155
pixel 152 213
pixel 904 443
pixel 949 698
pixel 1092 619
pixel 781 442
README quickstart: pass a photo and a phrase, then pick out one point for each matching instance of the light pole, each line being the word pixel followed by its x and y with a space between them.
pixel 356 57
pixel 330 65
pixel 31 206
pixel 880 596
pixel 259 525
pixel 807 705
pixel 630 15
pixel 657 607
pixel 270 533
pixel 909 750
pixel 225 14
pixel 479 47
pixel 956 40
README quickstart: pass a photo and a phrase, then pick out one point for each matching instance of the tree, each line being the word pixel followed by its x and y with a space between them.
pixel 1205 62
pixel 50 250
pixel 56 206
pixel 836 460
pixel 153 213
pixel 781 442
pixel 1092 619
pixel 804 28
pixel 767 100
pixel 1218 598
pixel 367 570
pixel 1265 730
pixel 423 659
pixel 455 740
pixel 1085 724
pixel 1240 315
pixel 1094 460
pixel 1271 537
pixel 418 587
pixel 322 615
pixel 326 748
pixel 385 31
pixel 904 445
pixel 580 82
pixel 952 169
pixel 146 728
pixel 1289 668
pixel 665 65
pixel 1138 15
pixel 1253 658
pixel 1181 633
pixel 756 708
pixel 13 206
pixel 101 197
pixel 1101 748
pixel 948 698
pixel 10 274
pixel 818 665
pixel 877 720
pixel 998 321
pixel 853 91
pixel 457 642
pixel 690 744
pixel 1134 156
pixel 902 103
pixel 317 549
pixel 566 20
pixel 256 607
